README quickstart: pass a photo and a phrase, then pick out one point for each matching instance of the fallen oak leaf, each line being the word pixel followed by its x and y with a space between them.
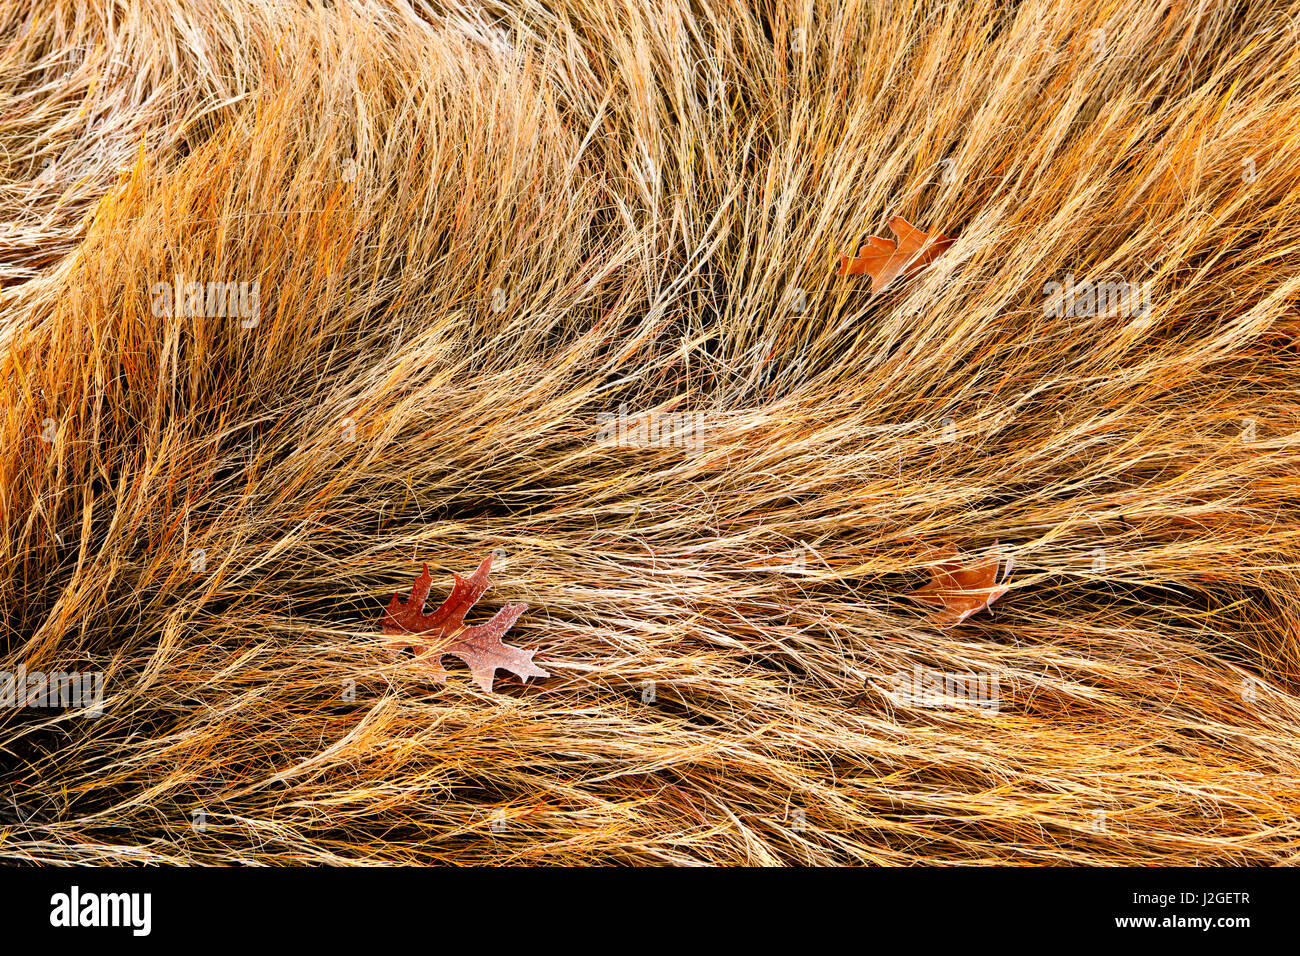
pixel 479 646
pixel 962 589
pixel 885 260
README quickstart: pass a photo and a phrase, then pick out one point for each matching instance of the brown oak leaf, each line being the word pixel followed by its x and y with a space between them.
pixel 885 260
pixel 444 631
pixel 962 589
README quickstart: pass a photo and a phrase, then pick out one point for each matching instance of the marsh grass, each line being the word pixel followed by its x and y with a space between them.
pixel 475 230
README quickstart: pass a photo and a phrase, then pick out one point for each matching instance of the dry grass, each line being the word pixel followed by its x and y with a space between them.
pixel 469 245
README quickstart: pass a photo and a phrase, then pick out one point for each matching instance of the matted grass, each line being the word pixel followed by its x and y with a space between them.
pixel 476 232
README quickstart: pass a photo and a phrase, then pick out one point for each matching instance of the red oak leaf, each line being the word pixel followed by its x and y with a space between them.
pixel 885 260
pixel 479 646
pixel 962 589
